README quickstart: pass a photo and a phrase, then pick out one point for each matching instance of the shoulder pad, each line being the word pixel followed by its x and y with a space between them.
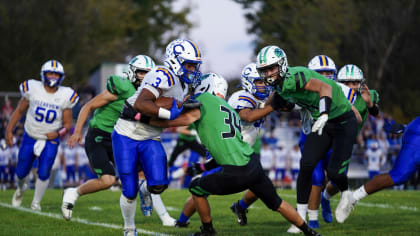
pixel 160 77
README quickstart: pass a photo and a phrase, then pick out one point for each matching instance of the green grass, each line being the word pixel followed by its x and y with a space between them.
pixel 369 217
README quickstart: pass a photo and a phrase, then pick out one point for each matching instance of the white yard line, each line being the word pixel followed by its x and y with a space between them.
pixel 367 204
pixel 78 220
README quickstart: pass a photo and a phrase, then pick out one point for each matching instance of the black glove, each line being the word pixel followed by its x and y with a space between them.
pixel 393 127
pixel 191 103
pixel 194 169
pixel 279 103
pixel 128 112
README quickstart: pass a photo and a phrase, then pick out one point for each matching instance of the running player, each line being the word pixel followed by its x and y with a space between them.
pixel 49 116
pixel 137 143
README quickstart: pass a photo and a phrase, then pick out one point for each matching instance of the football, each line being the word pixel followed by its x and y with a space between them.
pixel 166 102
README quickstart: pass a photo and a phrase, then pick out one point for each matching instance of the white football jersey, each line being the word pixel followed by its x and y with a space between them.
pixel 280 155
pixel 45 110
pixel 267 158
pixel 70 155
pixel 4 156
pixel 82 157
pixel 164 79
pixel 241 100
pixel 374 159
pixel 295 156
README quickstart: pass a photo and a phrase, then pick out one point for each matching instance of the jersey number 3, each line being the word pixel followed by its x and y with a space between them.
pixel 42 114
pixel 232 121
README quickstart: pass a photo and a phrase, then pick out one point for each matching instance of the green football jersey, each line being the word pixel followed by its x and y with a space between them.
pixel 220 131
pixel 361 106
pixel 257 145
pixel 105 117
pixel 188 137
pixel 292 90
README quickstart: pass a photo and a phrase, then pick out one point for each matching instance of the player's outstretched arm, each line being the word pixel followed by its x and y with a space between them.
pixel 251 115
pixel 100 100
pixel 316 85
pixel 184 119
pixel 17 114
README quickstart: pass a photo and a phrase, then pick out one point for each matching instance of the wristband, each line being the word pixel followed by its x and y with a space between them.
pixel 137 116
pixel 374 110
pixel 324 105
pixel 62 131
pixel 203 168
pixel 164 113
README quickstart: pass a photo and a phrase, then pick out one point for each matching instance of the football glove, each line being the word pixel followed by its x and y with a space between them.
pixel 320 123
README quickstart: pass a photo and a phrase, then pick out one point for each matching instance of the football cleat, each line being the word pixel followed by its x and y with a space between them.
pixel 168 220
pixel 326 209
pixel 69 200
pixel 204 232
pixel 313 224
pixel 345 206
pixel 180 224
pixel 18 196
pixel 35 206
pixel 146 203
pixel 130 232
pixel 294 229
pixel 312 232
pixel 240 213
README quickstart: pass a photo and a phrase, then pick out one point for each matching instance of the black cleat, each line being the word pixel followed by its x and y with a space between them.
pixel 311 232
pixel 204 232
pixel 180 224
pixel 240 214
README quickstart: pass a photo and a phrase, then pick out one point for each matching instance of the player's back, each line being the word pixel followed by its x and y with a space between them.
pixel 45 110
pixel 219 130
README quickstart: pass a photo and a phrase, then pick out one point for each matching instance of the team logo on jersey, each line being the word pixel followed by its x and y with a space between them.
pixel 98 139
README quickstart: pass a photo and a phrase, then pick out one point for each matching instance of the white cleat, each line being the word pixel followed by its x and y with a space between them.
pixel 345 206
pixel 294 230
pixel 70 196
pixel 35 206
pixel 130 232
pixel 168 221
pixel 18 196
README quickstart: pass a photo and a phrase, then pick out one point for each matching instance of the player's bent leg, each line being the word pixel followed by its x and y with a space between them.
pixel 240 208
pixel 187 212
pixel 313 205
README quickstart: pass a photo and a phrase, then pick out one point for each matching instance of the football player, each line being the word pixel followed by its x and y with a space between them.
pixel 335 123
pixel 137 142
pixel 48 117
pixel 218 126
pixel 405 166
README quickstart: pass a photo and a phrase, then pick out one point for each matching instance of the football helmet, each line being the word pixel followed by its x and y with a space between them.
pixel 212 83
pixel 351 73
pixel 55 67
pixel 323 63
pixel 179 52
pixel 249 77
pixel 139 62
pixel 268 56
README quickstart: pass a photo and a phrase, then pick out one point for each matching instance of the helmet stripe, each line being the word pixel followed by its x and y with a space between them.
pixel 54 63
pixel 326 60
pixel 168 75
pixel 147 61
pixel 197 52
pixel 352 71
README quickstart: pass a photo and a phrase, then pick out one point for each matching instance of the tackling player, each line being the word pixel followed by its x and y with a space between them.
pixel 49 116
pixel 218 126
pixel 137 143
pixel 335 123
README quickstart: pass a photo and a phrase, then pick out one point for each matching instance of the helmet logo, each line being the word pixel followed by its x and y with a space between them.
pixel 178 49
pixel 247 71
pixel 278 52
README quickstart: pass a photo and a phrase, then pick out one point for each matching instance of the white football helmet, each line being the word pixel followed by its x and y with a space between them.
pixel 139 62
pixel 269 56
pixel 323 63
pixel 212 83
pixel 52 66
pixel 249 77
pixel 179 52
pixel 351 73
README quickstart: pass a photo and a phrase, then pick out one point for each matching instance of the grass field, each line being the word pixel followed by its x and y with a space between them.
pixel 385 213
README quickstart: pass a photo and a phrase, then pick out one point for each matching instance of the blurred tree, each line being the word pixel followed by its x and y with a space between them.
pixel 380 36
pixel 81 34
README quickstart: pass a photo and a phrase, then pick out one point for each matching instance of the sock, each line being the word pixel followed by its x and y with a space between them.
pixel 360 193
pixel 243 205
pixel 183 218
pixel 208 226
pixel 143 189
pixel 77 192
pixel 21 182
pixel 158 205
pixel 40 187
pixel 326 195
pixel 301 209
pixel 305 228
pixel 128 210
pixel 313 214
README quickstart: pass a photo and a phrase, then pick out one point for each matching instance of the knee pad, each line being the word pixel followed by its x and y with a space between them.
pixel 195 189
pixel 157 189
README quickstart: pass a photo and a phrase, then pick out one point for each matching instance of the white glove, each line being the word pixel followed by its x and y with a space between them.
pixel 320 123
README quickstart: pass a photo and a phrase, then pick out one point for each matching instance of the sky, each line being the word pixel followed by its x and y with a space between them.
pixel 221 35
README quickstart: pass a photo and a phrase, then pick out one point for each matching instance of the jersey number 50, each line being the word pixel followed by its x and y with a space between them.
pixel 42 114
